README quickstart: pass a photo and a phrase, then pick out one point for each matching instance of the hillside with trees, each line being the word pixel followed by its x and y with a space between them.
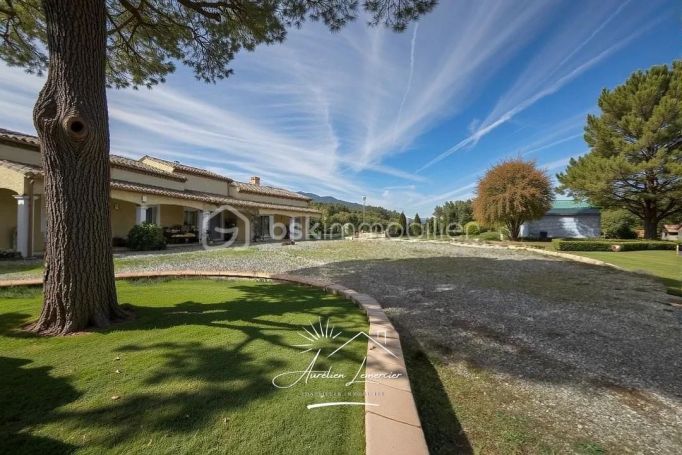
pixel 341 213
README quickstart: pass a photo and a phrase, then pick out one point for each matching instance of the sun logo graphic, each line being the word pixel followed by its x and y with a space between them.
pixel 320 336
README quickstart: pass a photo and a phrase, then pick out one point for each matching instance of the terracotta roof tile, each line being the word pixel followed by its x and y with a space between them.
pixel 206 197
pixel 116 160
pixel 185 169
pixel 268 191
pixel 127 163
pixel 26 169
pixel 19 138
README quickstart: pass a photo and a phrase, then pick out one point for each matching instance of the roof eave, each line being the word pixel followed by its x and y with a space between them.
pixel 264 193
pixel 160 174
pixel 20 143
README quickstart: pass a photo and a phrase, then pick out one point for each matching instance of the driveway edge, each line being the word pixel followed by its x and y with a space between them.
pixel 392 422
pixel 558 254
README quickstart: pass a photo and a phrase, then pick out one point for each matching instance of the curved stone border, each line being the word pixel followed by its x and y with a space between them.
pixel 392 423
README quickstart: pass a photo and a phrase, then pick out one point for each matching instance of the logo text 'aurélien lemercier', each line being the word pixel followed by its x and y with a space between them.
pixel 289 379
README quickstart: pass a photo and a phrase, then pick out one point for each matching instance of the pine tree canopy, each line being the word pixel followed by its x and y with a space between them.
pixel 145 38
pixel 635 158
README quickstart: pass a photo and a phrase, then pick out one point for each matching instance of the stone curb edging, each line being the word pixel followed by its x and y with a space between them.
pixel 392 422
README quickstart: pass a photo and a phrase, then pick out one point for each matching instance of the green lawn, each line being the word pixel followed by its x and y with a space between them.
pixel 30 267
pixel 191 374
pixel 664 264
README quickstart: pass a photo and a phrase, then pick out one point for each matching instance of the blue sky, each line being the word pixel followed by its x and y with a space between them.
pixel 409 120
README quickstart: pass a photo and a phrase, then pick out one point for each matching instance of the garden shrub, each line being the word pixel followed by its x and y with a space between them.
pixel 145 237
pixel 472 228
pixel 648 245
pixel 605 245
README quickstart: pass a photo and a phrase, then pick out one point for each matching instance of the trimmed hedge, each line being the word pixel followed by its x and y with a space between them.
pixel 606 245
pixel 145 237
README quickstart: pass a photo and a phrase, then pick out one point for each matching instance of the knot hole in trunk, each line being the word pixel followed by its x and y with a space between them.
pixel 75 128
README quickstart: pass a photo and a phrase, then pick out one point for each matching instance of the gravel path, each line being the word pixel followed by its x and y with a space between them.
pixel 586 350
pixel 583 350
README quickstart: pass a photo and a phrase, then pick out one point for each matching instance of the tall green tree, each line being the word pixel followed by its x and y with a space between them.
pixel 86 45
pixel 438 220
pixel 461 211
pixel 511 193
pixel 618 224
pixel 416 227
pixel 402 221
pixel 635 158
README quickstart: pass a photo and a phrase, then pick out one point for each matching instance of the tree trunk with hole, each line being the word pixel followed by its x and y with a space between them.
pixel 72 123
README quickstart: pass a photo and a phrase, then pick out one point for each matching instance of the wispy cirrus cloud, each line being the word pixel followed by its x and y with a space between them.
pixel 564 57
pixel 352 113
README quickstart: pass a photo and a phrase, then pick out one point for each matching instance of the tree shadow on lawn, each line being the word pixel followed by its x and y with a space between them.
pixel 195 384
pixel 194 388
pixel 252 314
pixel 540 320
pixel 29 397
pixel 234 376
pixel 442 429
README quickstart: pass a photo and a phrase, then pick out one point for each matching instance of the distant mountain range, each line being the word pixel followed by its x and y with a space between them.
pixel 331 200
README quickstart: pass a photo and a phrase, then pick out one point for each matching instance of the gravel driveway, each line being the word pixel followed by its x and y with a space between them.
pixel 584 351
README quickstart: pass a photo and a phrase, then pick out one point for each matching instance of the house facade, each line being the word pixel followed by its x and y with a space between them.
pixel 566 218
pixel 671 232
pixel 191 204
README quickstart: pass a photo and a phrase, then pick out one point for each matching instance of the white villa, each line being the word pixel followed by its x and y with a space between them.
pixel 170 194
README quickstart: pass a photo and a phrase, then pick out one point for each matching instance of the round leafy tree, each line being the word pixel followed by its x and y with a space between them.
pixel 511 193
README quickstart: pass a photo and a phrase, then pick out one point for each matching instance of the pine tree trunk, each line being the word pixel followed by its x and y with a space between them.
pixel 72 123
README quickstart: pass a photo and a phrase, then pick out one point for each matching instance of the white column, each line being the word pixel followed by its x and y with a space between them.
pixel 293 233
pixel 140 214
pixel 306 226
pixel 23 228
pixel 202 223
